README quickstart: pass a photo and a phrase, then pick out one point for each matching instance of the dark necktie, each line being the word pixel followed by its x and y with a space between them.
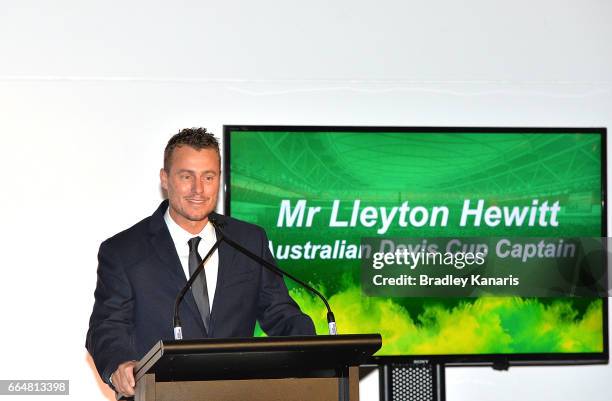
pixel 199 288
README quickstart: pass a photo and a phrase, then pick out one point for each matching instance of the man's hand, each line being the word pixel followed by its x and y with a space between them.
pixel 123 378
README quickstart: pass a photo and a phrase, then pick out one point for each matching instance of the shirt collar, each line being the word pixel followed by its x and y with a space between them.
pixel 180 236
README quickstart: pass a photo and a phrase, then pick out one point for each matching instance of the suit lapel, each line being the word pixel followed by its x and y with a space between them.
pixel 226 259
pixel 166 251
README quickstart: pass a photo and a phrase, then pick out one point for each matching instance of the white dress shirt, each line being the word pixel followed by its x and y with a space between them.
pixel 180 237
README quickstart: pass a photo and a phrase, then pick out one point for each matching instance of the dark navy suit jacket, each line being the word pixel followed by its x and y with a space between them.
pixel 140 274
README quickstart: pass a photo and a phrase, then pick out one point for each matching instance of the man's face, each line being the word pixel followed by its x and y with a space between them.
pixel 192 185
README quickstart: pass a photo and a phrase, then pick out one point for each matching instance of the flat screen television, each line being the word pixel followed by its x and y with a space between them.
pixel 266 167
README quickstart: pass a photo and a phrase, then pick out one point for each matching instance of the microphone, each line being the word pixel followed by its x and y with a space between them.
pixel 331 320
pixel 178 330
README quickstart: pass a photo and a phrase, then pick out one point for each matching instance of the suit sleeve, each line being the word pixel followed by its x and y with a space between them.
pixel 278 314
pixel 109 338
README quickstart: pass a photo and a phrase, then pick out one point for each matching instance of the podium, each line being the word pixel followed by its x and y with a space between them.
pixel 305 368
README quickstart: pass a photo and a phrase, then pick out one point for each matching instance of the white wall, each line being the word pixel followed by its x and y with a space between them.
pixel 91 91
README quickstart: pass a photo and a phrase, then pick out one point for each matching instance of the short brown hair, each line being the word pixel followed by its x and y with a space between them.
pixel 197 138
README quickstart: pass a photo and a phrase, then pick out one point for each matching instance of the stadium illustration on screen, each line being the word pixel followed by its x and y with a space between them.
pixel 307 186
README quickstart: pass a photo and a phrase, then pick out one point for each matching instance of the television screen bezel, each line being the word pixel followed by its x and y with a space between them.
pixel 501 360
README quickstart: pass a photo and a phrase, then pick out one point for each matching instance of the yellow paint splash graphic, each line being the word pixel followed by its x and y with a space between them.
pixel 491 325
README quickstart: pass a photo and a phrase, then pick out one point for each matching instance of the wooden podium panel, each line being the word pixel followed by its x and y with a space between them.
pixel 307 389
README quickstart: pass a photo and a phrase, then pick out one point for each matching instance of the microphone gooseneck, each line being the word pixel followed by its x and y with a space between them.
pixel 176 320
pixel 331 320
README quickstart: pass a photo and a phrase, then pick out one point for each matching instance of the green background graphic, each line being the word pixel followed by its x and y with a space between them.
pixel 385 169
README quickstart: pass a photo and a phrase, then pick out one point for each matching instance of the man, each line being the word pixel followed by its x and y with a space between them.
pixel 142 269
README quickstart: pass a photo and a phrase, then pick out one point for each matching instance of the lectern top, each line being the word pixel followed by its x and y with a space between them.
pixel 261 357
